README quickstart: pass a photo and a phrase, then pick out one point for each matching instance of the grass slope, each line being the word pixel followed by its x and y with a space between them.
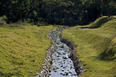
pixel 96 48
pixel 23 49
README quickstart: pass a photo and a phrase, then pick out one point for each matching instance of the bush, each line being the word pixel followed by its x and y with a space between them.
pixel 3 20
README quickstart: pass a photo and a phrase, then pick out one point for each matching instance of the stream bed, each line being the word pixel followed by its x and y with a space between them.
pixel 62 65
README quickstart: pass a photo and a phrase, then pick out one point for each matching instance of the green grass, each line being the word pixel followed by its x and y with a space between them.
pixel 101 21
pixel 96 48
pixel 23 49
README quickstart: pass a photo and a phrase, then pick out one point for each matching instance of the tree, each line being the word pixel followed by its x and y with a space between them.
pixel 65 12
pixel 107 5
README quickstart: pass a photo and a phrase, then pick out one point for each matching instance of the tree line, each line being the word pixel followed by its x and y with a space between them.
pixel 63 12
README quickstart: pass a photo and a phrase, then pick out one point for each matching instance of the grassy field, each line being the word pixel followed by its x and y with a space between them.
pixel 22 49
pixel 96 46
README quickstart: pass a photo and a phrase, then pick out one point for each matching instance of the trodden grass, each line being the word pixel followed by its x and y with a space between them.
pixel 23 49
pixel 96 48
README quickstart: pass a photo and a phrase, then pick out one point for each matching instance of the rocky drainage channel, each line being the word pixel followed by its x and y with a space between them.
pixel 61 61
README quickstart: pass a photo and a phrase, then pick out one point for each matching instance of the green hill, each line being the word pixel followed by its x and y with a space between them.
pixel 22 49
pixel 105 22
pixel 96 46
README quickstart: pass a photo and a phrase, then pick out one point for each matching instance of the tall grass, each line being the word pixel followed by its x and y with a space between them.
pixel 96 47
pixel 23 49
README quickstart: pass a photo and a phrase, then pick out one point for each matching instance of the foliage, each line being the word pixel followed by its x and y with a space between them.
pixel 3 20
pixel 66 12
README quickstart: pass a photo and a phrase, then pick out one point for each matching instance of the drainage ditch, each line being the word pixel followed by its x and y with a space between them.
pixel 61 61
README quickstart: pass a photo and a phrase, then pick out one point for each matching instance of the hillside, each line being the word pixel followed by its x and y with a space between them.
pixel 22 49
pixel 96 46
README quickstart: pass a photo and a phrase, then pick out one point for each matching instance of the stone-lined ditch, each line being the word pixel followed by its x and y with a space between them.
pixel 61 61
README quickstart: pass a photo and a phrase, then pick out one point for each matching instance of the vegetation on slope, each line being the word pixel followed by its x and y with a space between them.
pixel 22 49
pixel 104 22
pixel 96 47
